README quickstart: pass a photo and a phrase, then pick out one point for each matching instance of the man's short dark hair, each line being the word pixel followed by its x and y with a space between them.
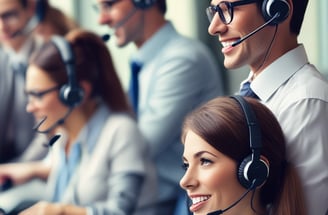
pixel 24 3
pixel 297 16
pixel 161 4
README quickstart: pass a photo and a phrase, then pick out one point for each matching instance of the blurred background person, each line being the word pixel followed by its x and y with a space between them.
pixel 170 76
pixel 54 22
pixel 19 20
pixel 99 163
pixel 235 161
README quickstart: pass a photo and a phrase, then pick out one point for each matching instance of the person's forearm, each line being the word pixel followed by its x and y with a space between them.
pixel 72 209
pixel 55 209
pixel 40 170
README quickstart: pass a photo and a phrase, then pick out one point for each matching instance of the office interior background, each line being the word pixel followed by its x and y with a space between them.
pixel 190 19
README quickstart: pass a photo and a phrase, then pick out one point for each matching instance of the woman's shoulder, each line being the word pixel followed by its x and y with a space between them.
pixel 120 119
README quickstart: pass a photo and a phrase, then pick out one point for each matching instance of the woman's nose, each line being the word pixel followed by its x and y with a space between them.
pixel 189 180
pixel 30 106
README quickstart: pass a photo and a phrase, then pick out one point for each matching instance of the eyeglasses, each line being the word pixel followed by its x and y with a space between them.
pixel 225 10
pixel 39 94
pixel 10 17
pixel 104 6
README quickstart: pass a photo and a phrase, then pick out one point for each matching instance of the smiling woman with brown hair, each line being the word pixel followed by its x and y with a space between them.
pixel 235 161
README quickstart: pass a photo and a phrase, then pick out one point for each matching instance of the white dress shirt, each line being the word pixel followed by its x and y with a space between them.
pixel 297 94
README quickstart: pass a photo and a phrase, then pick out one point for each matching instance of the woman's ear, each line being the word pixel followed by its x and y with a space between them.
pixel 87 89
pixel 265 159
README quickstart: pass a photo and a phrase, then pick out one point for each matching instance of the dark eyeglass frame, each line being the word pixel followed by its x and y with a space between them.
pixel 211 10
pixel 40 94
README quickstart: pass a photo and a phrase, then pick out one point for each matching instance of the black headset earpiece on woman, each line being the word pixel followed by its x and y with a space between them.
pixel 252 171
pixel 71 94
pixel 271 8
pixel 143 4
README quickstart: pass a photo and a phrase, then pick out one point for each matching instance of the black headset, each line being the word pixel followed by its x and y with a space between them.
pixel 272 7
pixel 252 171
pixel 70 94
pixel 143 4
pixel 40 9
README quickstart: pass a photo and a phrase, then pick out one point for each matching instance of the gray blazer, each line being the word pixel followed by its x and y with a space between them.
pixel 15 123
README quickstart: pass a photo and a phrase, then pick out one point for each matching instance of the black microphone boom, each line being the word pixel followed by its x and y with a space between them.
pixel 236 202
pixel 126 18
pixel 256 30
pixel 58 122
pixel 105 37
pixel 120 23
pixel 28 28
pixel 52 140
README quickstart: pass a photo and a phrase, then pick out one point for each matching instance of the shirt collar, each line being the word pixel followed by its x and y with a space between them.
pixel 150 48
pixel 91 131
pixel 271 78
pixel 24 52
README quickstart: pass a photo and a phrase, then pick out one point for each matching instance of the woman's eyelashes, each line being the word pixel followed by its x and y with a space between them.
pixel 185 166
pixel 202 162
pixel 205 161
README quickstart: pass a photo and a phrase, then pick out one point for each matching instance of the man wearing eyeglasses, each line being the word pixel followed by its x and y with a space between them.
pixel 263 35
pixel 177 74
pixel 16 25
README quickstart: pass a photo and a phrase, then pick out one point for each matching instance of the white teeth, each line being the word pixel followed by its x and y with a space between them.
pixel 226 44
pixel 199 199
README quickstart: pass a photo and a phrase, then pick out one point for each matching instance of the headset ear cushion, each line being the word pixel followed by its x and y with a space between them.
pixel 70 96
pixel 249 171
pixel 271 7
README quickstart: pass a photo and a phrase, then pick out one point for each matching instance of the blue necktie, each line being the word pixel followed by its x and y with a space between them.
pixel 134 85
pixel 247 91
pixel 67 169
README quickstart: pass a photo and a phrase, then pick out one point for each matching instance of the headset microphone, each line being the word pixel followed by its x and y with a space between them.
pixel 33 22
pixel 122 22
pixel 28 28
pixel 126 18
pixel 105 37
pixel 236 202
pixel 58 122
pixel 256 30
pixel 52 141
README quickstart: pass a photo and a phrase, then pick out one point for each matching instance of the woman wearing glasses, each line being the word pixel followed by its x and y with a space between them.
pixel 99 164
pixel 235 161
